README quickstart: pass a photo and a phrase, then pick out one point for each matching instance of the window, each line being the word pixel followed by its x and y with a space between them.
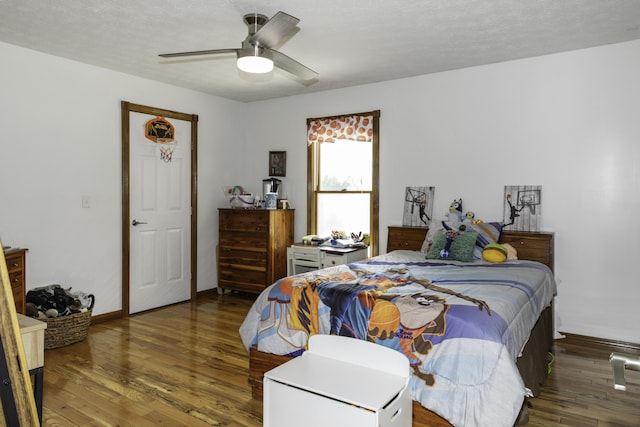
pixel 342 183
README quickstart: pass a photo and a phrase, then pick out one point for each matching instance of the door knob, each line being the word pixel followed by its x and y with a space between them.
pixel 136 222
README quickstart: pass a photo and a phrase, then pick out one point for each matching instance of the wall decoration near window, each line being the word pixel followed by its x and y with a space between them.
pixel 277 163
pixel 522 207
pixel 418 206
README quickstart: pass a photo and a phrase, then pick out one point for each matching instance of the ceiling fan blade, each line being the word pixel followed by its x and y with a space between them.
pixel 276 29
pixel 198 52
pixel 292 66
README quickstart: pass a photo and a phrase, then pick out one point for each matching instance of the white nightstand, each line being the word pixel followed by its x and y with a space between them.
pixel 302 258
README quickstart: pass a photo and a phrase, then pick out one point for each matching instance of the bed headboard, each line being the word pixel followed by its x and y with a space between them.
pixel 534 246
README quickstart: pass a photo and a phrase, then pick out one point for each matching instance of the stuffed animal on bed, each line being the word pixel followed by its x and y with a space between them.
pixel 450 234
pixel 496 252
pixel 455 212
pixel 468 217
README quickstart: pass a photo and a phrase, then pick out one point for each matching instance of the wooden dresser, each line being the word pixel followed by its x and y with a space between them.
pixel 17 266
pixel 252 249
pixel 405 238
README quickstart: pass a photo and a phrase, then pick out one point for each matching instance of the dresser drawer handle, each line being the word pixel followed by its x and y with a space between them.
pixel 258 228
pixel 15 264
pixel 405 243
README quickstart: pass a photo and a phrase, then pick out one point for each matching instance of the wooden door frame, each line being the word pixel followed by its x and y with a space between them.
pixel 126 109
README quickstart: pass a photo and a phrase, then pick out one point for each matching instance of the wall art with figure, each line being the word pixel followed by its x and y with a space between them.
pixel 522 207
pixel 418 206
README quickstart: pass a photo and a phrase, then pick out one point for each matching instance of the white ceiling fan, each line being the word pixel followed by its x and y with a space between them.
pixel 257 54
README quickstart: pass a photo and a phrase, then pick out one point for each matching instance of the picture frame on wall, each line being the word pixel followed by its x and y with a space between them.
pixel 277 163
pixel 522 207
pixel 418 206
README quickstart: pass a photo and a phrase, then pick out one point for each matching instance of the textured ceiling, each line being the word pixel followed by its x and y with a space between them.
pixel 348 42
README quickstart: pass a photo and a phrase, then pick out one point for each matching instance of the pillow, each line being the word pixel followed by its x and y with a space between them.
pixel 488 232
pixel 461 248
pixel 511 252
pixel 434 227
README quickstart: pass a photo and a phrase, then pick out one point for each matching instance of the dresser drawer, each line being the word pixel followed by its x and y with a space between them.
pixel 229 279
pixel 243 239
pixel 15 262
pixel 249 221
pixel 19 299
pixel 246 258
pixel 406 238
pixel 16 279
pixel 333 260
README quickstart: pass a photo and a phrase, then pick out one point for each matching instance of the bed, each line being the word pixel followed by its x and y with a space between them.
pixel 477 334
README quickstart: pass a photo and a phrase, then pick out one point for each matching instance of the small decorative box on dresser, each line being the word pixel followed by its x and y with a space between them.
pixel 17 266
pixel 252 249
pixel 405 238
pixel 534 246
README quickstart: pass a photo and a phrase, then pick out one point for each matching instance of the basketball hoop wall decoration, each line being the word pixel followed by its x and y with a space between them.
pixel 162 132
pixel 522 207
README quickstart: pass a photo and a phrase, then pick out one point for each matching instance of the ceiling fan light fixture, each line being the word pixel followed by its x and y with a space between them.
pixel 257 54
pixel 255 61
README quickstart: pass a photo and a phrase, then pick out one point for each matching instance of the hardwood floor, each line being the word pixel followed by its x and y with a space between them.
pixel 185 365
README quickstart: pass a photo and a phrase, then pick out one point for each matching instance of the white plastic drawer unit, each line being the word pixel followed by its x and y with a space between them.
pixel 347 382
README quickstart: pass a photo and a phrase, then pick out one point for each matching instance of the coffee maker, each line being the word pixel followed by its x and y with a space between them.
pixel 271 185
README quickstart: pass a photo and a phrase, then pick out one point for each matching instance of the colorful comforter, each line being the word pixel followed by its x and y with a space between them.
pixel 461 325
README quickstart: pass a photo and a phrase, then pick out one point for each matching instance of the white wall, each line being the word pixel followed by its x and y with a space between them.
pixel 568 122
pixel 61 140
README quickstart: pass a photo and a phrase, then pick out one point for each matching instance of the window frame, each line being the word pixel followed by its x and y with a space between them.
pixel 313 181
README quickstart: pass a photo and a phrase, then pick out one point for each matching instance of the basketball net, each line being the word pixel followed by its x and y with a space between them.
pixel 166 151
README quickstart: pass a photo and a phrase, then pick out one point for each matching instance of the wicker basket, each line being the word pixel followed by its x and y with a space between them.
pixel 65 330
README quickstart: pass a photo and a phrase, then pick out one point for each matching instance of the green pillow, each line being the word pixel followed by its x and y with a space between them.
pixel 461 248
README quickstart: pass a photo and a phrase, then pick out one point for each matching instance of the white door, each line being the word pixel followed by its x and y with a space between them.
pixel 160 214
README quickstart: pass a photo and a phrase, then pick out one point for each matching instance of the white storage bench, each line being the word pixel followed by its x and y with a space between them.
pixel 339 381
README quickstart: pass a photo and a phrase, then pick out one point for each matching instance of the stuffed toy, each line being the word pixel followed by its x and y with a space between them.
pixel 450 234
pixel 496 252
pixel 469 217
pixel 455 212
